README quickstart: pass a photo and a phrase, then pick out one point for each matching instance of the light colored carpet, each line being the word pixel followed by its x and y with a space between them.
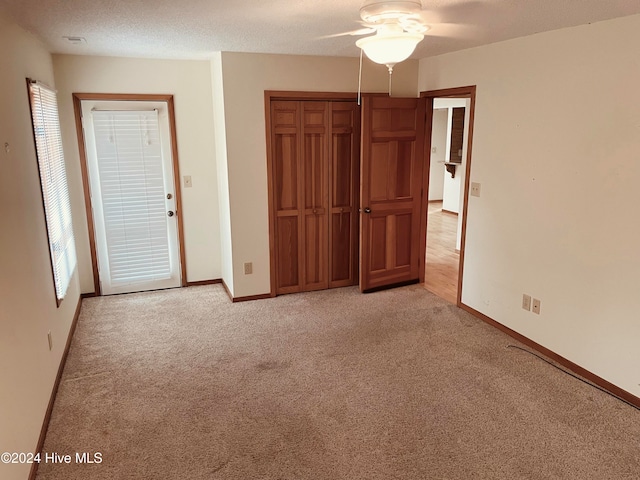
pixel 182 384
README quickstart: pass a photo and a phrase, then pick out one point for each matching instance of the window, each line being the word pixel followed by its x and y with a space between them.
pixel 53 179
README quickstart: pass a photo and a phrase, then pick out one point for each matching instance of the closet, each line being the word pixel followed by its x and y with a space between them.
pixel 313 164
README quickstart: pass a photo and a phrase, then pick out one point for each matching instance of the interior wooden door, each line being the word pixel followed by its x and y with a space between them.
pixel 314 171
pixel 391 191
pixel 344 172
pixel 287 201
pixel 315 215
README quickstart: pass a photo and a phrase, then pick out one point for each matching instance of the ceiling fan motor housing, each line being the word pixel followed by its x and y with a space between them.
pixel 379 11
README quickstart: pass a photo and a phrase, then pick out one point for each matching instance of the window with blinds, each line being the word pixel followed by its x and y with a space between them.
pixel 53 179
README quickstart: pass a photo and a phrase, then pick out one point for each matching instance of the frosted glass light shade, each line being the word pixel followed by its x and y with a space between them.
pixel 389 48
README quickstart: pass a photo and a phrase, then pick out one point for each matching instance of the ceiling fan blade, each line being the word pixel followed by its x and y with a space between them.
pixel 361 31
pixel 451 30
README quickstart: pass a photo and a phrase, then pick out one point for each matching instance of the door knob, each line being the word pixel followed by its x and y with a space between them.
pixel 170 213
pixel 367 210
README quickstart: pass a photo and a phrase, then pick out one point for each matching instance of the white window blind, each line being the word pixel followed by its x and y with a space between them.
pixel 53 178
pixel 132 191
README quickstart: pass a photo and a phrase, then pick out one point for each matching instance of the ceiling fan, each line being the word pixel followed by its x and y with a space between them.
pixel 397 27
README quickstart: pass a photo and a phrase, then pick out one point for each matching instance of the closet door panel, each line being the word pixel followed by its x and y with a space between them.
pixel 287 194
pixel 315 166
pixel 344 174
pixel 315 192
pixel 287 240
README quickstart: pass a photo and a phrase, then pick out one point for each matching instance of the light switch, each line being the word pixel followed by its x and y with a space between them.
pixel 187 181
pixel 475 189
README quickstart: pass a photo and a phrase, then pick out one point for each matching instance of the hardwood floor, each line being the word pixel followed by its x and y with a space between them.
pixel 441 274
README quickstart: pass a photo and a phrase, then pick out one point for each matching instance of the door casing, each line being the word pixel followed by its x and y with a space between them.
pixel 458 92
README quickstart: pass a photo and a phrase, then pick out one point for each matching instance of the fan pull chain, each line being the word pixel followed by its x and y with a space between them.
pixel 360 80
pixel 390 77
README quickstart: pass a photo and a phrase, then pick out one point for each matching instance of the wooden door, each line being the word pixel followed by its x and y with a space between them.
pixel 391 191
pixel 285 121
pixel 301 193
pixel 314 183
pixel 315 192
pixel 344 182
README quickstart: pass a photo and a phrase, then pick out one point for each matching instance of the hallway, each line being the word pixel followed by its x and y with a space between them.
pixel 441 274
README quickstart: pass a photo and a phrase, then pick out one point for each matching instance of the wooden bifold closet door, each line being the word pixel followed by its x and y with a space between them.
pixel 314 184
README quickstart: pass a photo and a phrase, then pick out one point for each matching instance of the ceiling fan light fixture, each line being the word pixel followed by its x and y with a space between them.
pixel 376 11
pixel 389 48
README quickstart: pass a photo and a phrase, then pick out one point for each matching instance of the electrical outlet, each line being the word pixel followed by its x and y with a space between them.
pixel 535 306
pixel 475 189
pixel 248 268
pixel 526 302
pixel 50 340
pixel 187 181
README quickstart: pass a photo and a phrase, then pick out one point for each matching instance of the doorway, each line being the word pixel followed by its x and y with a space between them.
pixel 449 153
pixel 133 201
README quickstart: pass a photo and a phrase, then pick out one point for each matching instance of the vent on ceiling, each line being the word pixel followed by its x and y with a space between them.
pixel 75 40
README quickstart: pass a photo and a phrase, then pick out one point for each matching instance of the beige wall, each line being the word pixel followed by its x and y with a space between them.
pixel 190 84
pixel 245 78
pixel 27 299
pixel 556 143
pixel 223 170
pixel 439 142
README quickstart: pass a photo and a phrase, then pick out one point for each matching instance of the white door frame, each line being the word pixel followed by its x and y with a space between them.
pixel 130 102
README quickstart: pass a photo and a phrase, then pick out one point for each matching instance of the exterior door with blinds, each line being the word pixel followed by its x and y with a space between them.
pixel 131 182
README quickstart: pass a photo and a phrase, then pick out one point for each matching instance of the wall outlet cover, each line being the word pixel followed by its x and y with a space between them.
pixel 526 302
pixel 535 306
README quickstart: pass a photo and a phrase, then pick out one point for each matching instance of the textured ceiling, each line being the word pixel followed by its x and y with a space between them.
pixel 194 28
